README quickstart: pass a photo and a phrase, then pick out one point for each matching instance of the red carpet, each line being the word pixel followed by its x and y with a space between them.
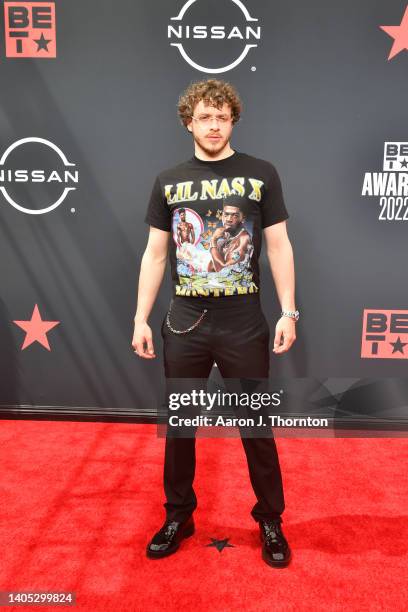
pixel 79 501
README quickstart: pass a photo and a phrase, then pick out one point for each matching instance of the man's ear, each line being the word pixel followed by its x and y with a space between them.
pixel 188 126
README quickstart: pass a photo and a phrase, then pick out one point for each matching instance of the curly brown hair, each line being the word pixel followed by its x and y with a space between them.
pixel 212 91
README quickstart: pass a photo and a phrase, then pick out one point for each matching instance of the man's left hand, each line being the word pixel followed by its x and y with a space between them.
pixel 285 329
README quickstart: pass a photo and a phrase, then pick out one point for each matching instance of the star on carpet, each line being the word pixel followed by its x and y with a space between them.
pixel 220 544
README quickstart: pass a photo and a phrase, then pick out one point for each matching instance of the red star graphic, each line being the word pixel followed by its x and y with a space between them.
pixel 399 34
pixel 36 329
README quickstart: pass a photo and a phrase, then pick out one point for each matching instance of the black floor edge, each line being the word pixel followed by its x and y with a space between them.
pixel 84 414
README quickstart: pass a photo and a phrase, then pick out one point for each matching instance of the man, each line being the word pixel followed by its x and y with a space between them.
pixel 185 230
pixel 231 242
pixel 215 313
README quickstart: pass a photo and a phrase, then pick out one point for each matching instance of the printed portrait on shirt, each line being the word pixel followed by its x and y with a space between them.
pixel 214 251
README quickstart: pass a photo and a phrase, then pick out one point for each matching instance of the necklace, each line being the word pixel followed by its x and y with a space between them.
pixel 231 238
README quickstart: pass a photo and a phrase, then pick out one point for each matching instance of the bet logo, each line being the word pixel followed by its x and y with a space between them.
pixel 385 334
pixel 30 29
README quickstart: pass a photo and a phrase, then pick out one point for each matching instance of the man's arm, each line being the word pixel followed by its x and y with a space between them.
pixel 218 259
pixel 220 262
pixel 152 270
pixel 178 235
pixel 280 255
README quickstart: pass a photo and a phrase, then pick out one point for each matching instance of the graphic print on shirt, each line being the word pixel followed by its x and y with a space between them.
pixel 215 212
pixel 214 249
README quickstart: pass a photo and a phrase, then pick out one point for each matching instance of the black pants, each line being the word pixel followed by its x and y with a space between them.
pixel 235 334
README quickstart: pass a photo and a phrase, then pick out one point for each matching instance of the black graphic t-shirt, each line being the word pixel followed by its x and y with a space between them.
pixel 215 211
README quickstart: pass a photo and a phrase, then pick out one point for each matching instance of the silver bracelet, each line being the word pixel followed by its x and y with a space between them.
pixel 292 314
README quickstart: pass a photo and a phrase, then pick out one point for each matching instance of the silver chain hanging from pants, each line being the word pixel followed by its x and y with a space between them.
pixel 183 331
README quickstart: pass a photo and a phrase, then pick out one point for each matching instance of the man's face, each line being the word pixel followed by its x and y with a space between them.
pixel 231 217
pixel 212 135
pixel 183 215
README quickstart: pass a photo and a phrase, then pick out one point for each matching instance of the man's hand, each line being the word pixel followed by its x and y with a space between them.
pixel 286 328
pixel 143 336
pixel 217 233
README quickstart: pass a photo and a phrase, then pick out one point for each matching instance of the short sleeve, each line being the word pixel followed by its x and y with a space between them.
pixel 158 212
pixel 273 209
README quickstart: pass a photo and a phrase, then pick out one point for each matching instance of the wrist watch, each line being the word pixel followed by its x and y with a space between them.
pixel 292 314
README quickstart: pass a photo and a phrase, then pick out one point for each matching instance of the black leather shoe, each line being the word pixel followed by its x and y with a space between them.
pixel 167 540
pixel 275 548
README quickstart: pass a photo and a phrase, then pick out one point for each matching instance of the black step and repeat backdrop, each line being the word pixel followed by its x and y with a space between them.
pixel 88 118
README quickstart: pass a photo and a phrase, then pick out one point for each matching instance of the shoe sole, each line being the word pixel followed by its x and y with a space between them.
pixel 152 554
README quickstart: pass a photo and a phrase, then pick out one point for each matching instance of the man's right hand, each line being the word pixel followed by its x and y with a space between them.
pixel 218 233
pixel 143 341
